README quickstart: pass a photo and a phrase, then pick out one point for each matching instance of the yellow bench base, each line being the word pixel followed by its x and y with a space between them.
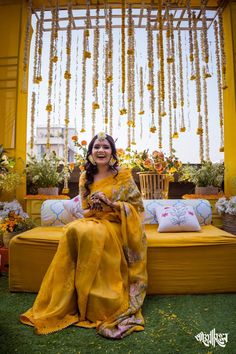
pixel 178 263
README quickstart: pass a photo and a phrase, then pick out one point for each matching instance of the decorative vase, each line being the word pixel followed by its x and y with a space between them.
pixel 154 185
pixel 48 191
pixel 229 223
pixel 206 190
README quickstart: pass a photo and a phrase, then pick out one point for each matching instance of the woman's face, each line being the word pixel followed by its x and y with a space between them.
pixel 101 152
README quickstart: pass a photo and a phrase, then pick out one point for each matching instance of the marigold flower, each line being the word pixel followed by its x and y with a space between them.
pixel 83 142
pixel 74 138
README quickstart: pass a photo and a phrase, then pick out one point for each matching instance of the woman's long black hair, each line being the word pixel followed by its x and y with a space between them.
pixel 91 169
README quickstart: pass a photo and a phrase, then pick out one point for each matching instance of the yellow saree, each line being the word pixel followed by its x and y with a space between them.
pixel 98 275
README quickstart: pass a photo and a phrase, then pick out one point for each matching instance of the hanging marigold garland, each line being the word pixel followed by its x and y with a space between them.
pixel 159 113
pixel 36 44
pixel 38 77
pixel 60 84
pixel 174 91
pixel 32 125
pixel 198 87
pixel 105 86
pixel 222 49
pixel 76 85
pixel 123 110
pixel 205 46
pixel 141 108
pixel 26 47
pixel 219 86
pixel 205 104
pixel 190 33
pixel 96 38
pixel 170 109
pixel 67 77
pixel 110 70
pixel 181 82
pixel 150 85
pixel 49 107
pixel 161 53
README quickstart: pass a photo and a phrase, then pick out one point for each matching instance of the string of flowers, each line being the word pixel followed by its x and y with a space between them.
pixel 170 109
pixel 222 49
pixel 105 103
pixel 159 113
pixel 123 11
pixel 67 77
pixel 36 45
pixel 130 53
pixel 110 70
pixel 141 108
pixel 33 101
pixel 54 57
pixel 26 47
pixel 96 38
pixel 187 85
pixel 204 32
pixel 40 48
pixel 50 82
pixel 60 84
pixel 76 83
pixel 181 82
pixel 86 55
pixel 150 85
pixel 219 86
pixel 198 87
pixel 174 91
pixel 190 32
pixel 205 104
pixel 161 52
pixel 133 102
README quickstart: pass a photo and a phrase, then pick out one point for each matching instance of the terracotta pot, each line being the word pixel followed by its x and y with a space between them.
pixel 49 191
pixel 206 190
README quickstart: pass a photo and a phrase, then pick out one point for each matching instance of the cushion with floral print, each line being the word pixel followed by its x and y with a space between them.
pixel 74 207
pixel 177 218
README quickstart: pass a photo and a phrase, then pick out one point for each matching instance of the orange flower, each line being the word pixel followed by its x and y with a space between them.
pixel 81 167
pixel 83 142
pixel 74 138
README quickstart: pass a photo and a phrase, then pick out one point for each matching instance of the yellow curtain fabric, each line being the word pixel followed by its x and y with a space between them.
pixel 98 275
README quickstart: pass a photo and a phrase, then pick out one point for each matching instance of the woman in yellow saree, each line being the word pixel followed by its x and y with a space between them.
pixel 98 275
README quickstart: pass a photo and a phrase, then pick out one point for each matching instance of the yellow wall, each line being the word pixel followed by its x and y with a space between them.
pixel 13 102
pixel 229 18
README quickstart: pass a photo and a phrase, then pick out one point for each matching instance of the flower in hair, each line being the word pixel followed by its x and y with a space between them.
pixel 101 136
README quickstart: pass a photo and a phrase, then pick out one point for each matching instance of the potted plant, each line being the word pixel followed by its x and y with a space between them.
pixel 208 178
pixel 227 208
pixel 9 179
pixel 45 174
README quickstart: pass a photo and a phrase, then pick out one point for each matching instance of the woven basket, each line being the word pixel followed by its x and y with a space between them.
pixel 229 223
pixel 153 185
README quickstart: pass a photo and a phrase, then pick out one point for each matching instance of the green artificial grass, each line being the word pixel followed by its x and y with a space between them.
pixel 171 325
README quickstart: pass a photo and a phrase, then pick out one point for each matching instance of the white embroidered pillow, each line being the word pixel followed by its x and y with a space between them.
pixel 74 207
pixel 177 219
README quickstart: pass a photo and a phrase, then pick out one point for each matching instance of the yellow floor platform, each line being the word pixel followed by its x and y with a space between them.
pixel 178 263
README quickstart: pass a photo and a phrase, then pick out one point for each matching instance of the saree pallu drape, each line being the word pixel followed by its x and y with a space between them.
pixel 97 277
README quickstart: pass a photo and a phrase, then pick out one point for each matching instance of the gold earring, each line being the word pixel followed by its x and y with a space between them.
pixel 112 161
pixel 90 158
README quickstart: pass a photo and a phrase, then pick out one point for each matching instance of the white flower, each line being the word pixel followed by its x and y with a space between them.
pixel 226 206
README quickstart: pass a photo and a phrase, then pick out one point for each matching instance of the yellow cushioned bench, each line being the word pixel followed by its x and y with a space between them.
pixel 178 263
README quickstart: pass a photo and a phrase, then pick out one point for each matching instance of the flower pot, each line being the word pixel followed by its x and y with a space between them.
pixel 229 223
pixel 48 191
pixel 206 190
pixel 153 185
